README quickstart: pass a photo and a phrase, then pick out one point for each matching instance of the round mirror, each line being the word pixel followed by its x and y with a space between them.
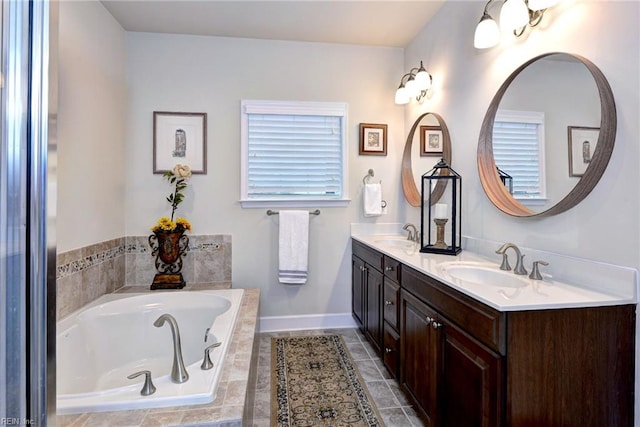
pixel 547 136
pixel 432 142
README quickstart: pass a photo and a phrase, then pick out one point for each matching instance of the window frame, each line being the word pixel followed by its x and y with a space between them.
pixel 247 107
pixel 537 118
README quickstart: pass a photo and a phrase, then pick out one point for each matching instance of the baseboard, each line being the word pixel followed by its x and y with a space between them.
pixel 303 322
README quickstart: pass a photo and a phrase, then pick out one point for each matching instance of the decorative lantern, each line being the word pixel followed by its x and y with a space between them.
pixel 441 210
pixel 506 179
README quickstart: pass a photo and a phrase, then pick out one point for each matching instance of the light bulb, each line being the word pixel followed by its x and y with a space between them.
pixel 513 15
pixel 423 79
pixel 487 33
pixel 541 4
pixel 411 87
pixel 401 96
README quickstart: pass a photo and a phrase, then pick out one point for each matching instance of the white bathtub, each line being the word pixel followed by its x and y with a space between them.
pixel 113 337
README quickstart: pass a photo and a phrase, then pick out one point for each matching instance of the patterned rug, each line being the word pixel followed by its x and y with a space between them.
pixel 315 383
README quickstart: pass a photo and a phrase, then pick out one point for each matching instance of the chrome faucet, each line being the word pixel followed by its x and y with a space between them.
pixel 413 232
pixel 178 371
pixel 520 270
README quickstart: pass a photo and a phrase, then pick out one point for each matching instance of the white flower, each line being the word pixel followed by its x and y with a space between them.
pixel 182 171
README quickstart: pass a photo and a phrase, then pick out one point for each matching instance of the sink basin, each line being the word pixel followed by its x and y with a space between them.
pixel 483 274
pixel 397 242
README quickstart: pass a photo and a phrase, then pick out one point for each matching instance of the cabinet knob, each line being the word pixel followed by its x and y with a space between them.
pixel 362 268
pixel 429 320
pixel 390 268
pixel 387 302
pixel 388 350
pixel 435 324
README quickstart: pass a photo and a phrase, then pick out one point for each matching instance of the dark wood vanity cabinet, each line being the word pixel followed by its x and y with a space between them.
pixel 453 379
pixel 366 302
pixel 463 363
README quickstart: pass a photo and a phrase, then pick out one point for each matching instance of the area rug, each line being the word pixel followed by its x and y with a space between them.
pixel 315 383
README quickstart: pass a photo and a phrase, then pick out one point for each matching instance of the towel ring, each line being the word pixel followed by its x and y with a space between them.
pixel 369 174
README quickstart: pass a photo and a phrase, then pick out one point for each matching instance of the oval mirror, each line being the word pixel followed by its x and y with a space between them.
pixel 547 136
pixel 432 142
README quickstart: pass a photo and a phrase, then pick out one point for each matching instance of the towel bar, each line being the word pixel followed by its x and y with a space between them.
pixel 270 212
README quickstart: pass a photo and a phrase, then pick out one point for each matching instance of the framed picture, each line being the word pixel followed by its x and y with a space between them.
pixel 582 144
pixel 373 139
pixel 431 143
pixel 179 138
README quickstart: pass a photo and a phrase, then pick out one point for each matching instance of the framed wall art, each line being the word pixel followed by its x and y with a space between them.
pixel 373 139
pixel 431 142
pixel 179 138
pixel 582 144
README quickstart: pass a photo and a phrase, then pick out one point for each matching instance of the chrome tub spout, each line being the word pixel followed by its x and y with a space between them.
pixel 178 371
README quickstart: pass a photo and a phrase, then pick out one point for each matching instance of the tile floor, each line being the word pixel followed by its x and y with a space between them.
pixel 393 406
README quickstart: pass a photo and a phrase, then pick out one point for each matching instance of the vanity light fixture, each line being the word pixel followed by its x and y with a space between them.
pixel 415 83
pixel 515 16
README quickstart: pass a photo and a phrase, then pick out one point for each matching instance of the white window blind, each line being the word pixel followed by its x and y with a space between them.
pixel 518 149
pixel 293 152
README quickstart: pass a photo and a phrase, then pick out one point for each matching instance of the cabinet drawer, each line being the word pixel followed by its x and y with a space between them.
pixel 391 268
pixel 368 255
pixel 481 321
pixel 391 352
pixel 390 303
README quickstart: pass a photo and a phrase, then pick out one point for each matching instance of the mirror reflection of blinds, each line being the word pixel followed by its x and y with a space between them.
pixel 516 151
pixel 294 155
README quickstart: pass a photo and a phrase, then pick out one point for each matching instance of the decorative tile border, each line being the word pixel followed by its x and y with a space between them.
pixel 104 251
pixel 88 261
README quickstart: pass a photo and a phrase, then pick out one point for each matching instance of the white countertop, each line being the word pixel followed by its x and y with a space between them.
pixel 531 295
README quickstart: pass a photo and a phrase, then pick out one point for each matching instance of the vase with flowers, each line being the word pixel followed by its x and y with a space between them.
pixel 169 242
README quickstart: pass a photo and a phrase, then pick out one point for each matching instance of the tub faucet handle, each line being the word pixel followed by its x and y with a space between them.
pixel 206 362
pixel 148 388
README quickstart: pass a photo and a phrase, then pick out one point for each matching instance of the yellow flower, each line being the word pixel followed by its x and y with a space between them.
pixel 165 224
pixel 184 223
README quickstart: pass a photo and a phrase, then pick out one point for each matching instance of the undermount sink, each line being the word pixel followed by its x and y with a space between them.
pixel 399 242
pixel 483 274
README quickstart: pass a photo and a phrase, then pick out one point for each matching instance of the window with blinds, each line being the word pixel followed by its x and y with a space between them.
pixel 293 152
pixel 518 150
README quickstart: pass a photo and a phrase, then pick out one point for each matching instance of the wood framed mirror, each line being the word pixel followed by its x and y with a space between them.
pixel 409 186
pixel 564 97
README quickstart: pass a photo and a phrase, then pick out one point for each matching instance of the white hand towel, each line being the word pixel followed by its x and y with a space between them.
pixel 293 244
pixel 372 199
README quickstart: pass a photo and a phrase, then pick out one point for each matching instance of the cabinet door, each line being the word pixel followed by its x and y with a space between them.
pixel 419 356
pixel 373 308
pixel 357 290
pixel 470 392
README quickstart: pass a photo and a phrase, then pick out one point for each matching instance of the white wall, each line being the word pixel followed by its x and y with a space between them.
pixel 605 225
pixel 91 122
pixel 212 75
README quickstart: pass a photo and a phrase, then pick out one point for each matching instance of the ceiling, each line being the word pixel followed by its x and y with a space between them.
pixel 362 22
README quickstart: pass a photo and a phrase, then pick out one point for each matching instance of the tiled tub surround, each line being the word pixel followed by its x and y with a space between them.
pixel 88 273
pixel 231 405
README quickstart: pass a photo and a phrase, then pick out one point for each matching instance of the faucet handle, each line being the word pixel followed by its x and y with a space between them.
pixel 505 261
pixel 206 361
pixel 535 271
pixel 148 388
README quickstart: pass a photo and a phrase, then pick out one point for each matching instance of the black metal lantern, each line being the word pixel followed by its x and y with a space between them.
pixel 441 210
pixel 507 180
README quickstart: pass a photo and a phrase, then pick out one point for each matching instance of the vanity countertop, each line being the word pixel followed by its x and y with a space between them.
pixel 519 292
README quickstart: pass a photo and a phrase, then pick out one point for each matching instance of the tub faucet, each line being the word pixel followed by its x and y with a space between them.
pixel 178 371
pixel 413 232
pixel 520 270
